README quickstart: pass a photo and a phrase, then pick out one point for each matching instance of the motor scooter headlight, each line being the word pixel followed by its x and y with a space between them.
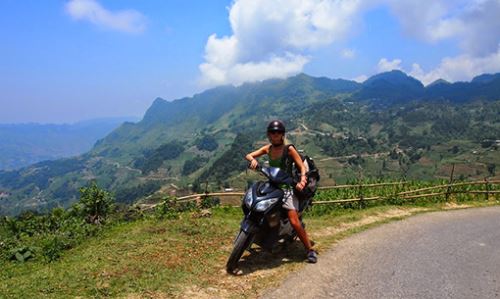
pixel 265 204
pixel 248 198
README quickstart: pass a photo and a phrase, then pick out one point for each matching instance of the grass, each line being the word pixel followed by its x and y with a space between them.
pixel 186 256
pixel 146 255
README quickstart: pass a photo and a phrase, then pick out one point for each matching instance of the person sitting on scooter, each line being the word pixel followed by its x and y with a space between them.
pixel 275 151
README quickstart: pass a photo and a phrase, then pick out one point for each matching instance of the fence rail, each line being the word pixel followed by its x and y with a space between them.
pixel 406 194
pixel 363 185
pixel 359 187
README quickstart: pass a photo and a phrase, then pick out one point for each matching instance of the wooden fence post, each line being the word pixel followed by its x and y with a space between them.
pixel 361 197
pixel 487 188
pixel 396 190
pixel 448 190
pixel 204 196
pixel 360 191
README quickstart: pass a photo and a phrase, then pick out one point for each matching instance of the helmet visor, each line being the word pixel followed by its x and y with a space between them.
pixel 275 129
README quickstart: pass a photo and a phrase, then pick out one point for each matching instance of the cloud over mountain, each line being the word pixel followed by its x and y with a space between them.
pixel 473 24
pixel 277 38
pixel 272 38
pixel 385 65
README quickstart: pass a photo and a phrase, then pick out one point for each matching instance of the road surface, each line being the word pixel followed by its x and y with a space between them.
pixel 452 254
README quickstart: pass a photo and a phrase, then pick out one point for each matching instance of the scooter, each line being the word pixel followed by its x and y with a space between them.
pixel 265 222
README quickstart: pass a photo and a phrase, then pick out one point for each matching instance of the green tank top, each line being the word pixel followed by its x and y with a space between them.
pixel 278 162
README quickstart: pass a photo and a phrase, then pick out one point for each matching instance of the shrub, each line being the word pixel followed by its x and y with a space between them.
pixel 95 203
pixel 192 165
pixel 21 254
pixel 207 143
pixel 52 248
pixel 209 202
pixel 166 209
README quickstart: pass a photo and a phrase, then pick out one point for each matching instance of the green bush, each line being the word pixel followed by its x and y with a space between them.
pixel 33 236
pixel 167 209
pixel 186 206
pixel 95 203
pixel 52 247
pixel 207 143
pixel 209 202
pixel 192 165
pixel 21 254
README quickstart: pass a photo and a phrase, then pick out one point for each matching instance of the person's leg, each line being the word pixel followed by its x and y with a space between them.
pixel 291 204
pixel 293 216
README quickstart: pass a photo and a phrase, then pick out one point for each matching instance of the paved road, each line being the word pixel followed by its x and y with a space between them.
pixel 453 254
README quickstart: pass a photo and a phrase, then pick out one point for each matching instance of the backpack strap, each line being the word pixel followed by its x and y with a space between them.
pixel 285 158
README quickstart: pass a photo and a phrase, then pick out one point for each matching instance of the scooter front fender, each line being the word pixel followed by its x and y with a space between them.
pixel 248 226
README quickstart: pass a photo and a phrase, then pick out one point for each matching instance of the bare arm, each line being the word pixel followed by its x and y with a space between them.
pixel 292 152
pixel 255 154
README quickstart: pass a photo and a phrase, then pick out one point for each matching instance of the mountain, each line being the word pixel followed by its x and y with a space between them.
pixel 437 82
pixel 197 142
pixel 394 86
pixel 218 109
pixel 486 78
pixel 485 87
pixel 26 144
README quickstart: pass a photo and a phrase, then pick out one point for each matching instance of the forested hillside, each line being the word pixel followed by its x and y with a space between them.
pixel 389 127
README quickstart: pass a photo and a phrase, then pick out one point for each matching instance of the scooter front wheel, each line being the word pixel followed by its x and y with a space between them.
pixel 243 241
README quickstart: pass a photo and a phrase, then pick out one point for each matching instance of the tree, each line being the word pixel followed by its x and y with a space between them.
pixel 95 203
pixel 207 143
pixel 491 169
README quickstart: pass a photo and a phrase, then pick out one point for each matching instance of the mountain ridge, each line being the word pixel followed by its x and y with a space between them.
pixel 326 117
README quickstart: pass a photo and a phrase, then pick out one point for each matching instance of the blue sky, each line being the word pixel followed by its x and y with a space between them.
pixel 65 61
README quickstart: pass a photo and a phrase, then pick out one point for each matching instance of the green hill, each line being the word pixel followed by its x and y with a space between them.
pixel 388 127
pixel 393 86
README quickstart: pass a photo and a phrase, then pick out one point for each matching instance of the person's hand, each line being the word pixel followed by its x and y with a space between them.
pixel 302 183
pixel 253 164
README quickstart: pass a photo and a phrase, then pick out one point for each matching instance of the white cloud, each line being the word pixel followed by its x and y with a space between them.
pixel 361 78
pixel 348 53
pixel 425 19
pixel 460 68
pixel 385 65
pixel 129 21
pixel 275 38
pixel 271 37
pixel 238 73
pixel 474 23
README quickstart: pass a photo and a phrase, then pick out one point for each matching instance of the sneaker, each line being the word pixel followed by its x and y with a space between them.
pixel 312 256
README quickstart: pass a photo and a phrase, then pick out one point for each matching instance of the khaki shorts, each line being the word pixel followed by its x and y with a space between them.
pixel 290 201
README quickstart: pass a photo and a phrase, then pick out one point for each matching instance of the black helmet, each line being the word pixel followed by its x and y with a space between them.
pixel 276 126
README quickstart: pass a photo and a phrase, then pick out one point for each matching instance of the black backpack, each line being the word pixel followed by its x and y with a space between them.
pixel 312 173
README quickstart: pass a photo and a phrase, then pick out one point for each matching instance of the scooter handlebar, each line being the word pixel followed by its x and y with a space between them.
pixel 259 169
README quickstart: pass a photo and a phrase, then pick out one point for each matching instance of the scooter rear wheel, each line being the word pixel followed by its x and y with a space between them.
pixel 243 241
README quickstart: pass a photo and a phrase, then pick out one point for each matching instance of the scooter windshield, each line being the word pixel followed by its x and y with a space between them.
pixel 277 175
